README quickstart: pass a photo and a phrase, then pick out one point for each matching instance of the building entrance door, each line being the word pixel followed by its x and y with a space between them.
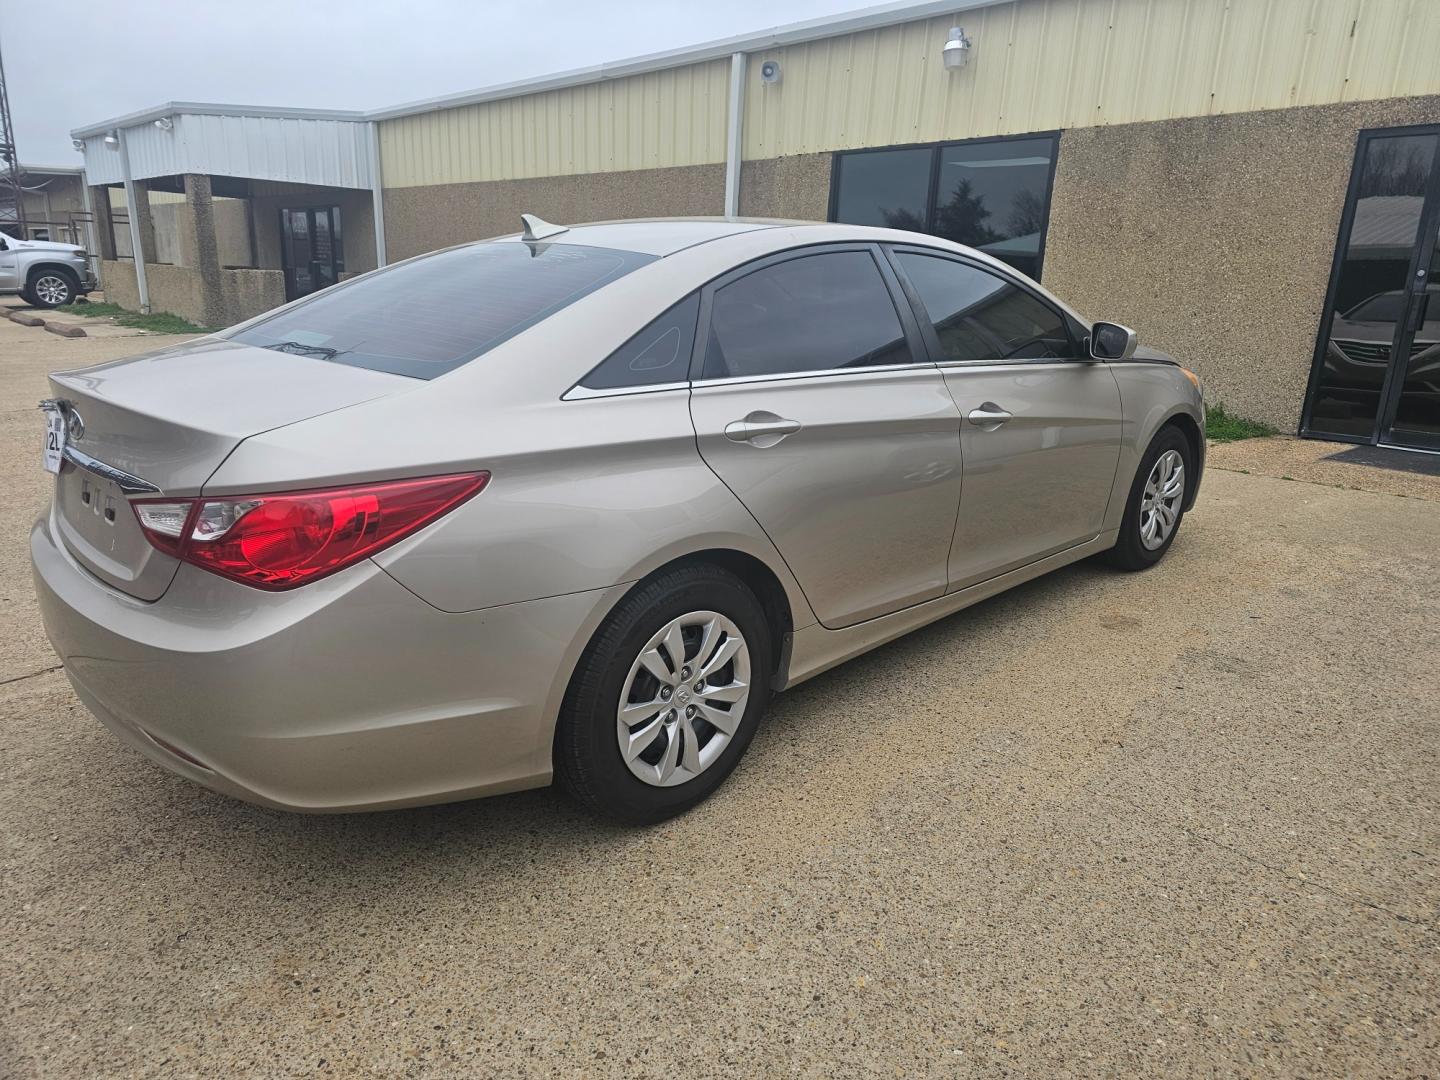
pixel 1376 377
pixel 311 249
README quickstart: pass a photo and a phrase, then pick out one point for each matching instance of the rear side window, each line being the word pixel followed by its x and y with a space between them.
pixel 814 313
pixel 978 315
pixel 658 354
pixel 429 316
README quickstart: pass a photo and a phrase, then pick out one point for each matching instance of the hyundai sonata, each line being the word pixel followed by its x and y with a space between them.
pixel 575 503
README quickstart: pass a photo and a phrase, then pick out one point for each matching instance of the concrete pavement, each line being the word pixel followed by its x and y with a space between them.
pixel 1180 823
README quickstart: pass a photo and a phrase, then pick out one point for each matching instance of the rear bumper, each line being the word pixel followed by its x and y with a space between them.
pixel 348 694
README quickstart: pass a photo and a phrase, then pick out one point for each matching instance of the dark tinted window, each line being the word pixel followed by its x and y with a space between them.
pixel 980 316
pixel 808 314
pixel 993 194
pixel 428 317
pixel 884 187
pixel 658 354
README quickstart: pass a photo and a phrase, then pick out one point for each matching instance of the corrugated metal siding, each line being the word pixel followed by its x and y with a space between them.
pixel 333 153
pixel 1044 64
pixel 665 118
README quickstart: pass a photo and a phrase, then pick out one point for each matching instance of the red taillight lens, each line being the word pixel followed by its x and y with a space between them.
pixel 283 540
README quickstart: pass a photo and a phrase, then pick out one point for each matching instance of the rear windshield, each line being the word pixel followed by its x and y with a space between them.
pixel 427 317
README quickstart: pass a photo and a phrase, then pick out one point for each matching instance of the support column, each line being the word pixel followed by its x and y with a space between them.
pixel 201 251
pixel 104 223
pixel 144 223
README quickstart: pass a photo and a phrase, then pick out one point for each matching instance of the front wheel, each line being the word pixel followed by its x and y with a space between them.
pixel 1156 504
pixel 50 289
pixel 667 696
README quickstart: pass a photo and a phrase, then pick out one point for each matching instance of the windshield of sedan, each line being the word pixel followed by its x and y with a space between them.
pixel 429 316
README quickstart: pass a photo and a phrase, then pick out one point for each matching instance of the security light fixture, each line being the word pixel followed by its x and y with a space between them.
pixel 770 72
pixel 112 140
pixel 164 123
pixel 77 144
pixel 957 49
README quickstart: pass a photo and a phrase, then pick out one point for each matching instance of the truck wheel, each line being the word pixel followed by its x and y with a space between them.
pixel 51 289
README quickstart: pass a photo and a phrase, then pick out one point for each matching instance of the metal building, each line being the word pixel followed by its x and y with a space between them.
pixel 1252 184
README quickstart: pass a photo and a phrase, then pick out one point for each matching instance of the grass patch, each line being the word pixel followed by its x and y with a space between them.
pixel 159 322
pixel 1222 426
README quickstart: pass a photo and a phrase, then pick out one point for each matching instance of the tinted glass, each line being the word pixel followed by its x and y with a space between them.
pixel 979 316
pixel 887 187
pixel 809 314
pixel 1372 294
pixel 995 196
pixel 427 317
pixel 658 354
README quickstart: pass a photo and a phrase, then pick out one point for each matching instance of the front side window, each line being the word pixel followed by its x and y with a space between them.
pixel 978 315
pixel 990 194
pixel 430 316
pixel 814 313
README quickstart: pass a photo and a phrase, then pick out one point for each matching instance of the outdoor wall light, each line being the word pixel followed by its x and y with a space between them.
pixel 165 123
pixel 77 144
pixel 957 49
pixel 112 140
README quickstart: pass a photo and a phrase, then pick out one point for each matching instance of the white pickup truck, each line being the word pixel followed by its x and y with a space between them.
pixel 42 273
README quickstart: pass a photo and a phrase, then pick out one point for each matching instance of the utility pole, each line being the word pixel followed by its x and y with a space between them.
pixel 12 189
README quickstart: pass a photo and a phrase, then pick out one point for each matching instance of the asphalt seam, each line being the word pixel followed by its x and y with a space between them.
pixel 1328 890
pixel 32 675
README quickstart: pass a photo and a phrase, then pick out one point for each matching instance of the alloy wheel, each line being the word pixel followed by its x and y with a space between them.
pixel 1161 499
pixel 683 699
pixel 52 289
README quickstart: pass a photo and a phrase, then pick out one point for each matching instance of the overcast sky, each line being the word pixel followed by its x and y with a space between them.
pixel 70 66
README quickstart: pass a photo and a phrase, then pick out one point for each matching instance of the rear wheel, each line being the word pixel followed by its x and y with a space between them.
pixel 51 289
pixel 667 696
pixel 1156 504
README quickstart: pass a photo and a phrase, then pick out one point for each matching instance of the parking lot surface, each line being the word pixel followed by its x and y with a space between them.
pixel 1179 823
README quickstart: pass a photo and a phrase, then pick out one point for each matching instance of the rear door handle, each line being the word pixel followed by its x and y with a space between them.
pixel 761 429
pixel 988 416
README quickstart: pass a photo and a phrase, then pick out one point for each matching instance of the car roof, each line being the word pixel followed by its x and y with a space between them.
pixel 660 236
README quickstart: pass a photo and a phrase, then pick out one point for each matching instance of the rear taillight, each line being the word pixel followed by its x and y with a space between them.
pixel 283 540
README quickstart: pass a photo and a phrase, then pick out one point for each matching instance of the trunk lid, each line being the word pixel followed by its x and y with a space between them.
pixel 169 418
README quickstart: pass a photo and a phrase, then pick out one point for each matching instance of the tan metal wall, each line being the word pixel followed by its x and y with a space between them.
pixel 1044 64
pixel 657 120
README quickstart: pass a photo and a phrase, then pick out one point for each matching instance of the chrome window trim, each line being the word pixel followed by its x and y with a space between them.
pixel 785 376
pixel 1020 362
pixel 585 393
pixel 129 483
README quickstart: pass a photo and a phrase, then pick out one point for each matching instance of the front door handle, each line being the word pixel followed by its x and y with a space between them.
pixel 761 429
pixel 988 416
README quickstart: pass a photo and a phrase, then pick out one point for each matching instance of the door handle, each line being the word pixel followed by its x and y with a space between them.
pixel 988 416
pixel 761 429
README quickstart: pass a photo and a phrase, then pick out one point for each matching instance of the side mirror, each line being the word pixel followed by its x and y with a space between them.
pixel 3 245
pixel 1111 341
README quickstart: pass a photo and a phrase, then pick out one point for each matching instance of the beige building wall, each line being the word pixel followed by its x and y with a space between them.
pixel 1215 237
pixel 664 119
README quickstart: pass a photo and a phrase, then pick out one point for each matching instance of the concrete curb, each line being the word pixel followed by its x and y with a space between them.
pixel 64 329
pixel 26 320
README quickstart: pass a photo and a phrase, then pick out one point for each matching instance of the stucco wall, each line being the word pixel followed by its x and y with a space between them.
pixel 797 187
pixel 1214 237
pixel 420 219
pixel 179 290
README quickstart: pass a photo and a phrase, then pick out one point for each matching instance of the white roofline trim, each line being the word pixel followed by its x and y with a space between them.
pixel 201 108
pixel 870 18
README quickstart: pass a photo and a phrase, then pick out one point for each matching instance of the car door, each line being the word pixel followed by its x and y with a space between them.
pixel 9 265
pixel 1040 431
pixel 814 402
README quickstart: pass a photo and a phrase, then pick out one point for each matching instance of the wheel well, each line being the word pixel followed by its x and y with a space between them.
pixel 761 581
pixel 59 268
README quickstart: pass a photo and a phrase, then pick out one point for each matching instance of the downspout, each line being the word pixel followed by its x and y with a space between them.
pixel 734 134
pixel 377 193
pixel 137 250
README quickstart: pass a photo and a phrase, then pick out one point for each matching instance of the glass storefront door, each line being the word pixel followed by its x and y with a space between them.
pixel 1377 368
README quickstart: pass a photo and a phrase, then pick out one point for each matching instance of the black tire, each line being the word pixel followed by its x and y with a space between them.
pixel 588 762
pixel 1130 552
pixel 52 295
